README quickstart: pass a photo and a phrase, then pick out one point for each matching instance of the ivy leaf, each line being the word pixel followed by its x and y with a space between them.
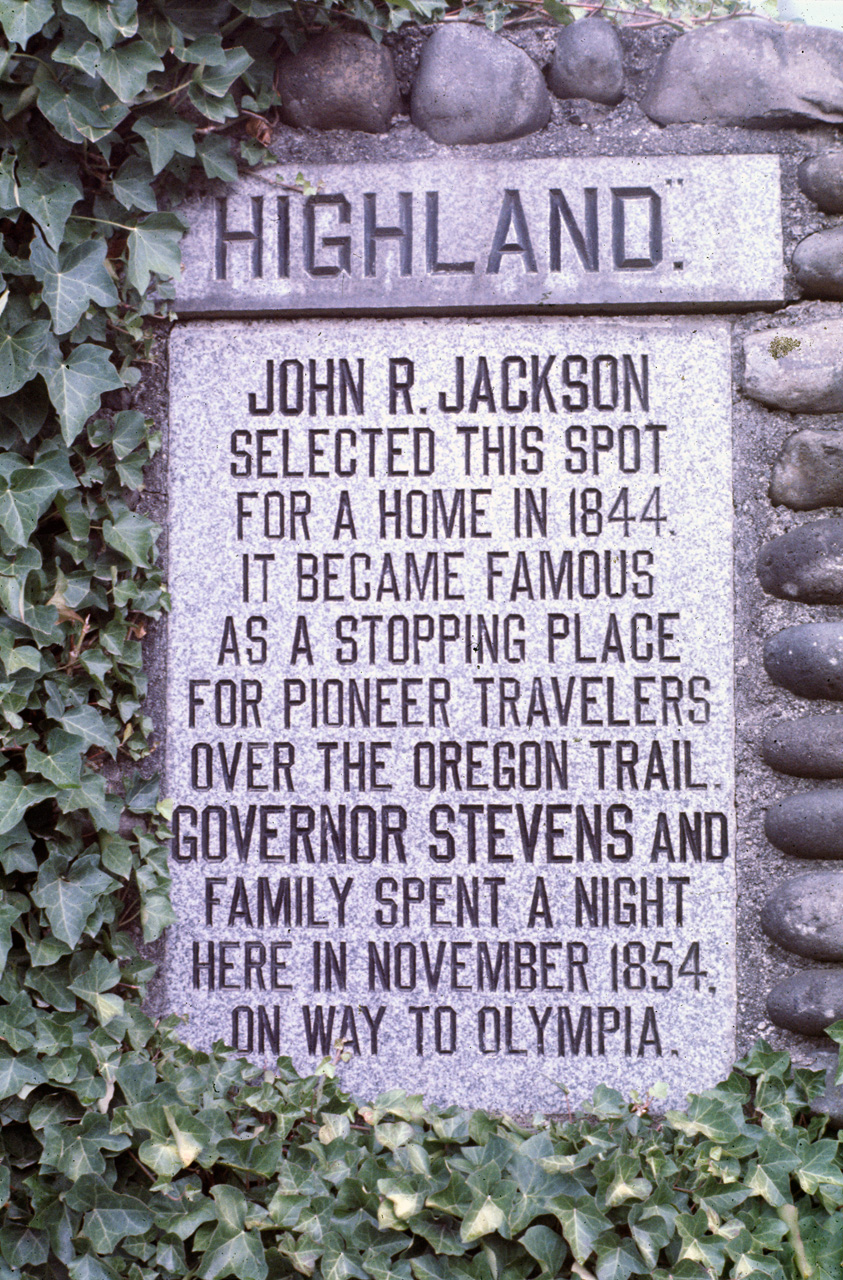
pixel 217 79
pixel 128 432
pixel 77 385
pixel 242 1256
pixel 113 1218
pixel 558 12
pixel 85 722
pixel 197 20
pixel 72 280
pixel 19 1073
pixel 48 197
pixel 619 1262
pixel 61 763
pixel 16 797
pixel 819 1166
pixel 581 1225
pixel 95 984
pixel 217 160
pixel 22 19
pixel 91 794
pixel 24 497
pixel 108 22
pixel 127 68
pixel 69 894
pixel 133 535
pixel 19 351
pixel 87 1266
pixel 80 113
pixel 712 1116
pixel 481 1220
pixel 257 8
pixel 546 1246
pixel 80 1148
pixel 154 246
pixel 85 56
pixel 770 1177
pixel 16 850
pixel 206 50
pixel 132 185
pixel 10 913
pixel 165 135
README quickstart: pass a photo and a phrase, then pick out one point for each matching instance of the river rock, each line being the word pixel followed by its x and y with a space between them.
pixel 805 915
pixel 810 747
pixel 821 178
pixel 830 1101
pixel 805 564
pixel 809 471
pixel 808 659
pixel 807 1002
pixel 588 62
pixel 339 81
pixel 807 825
pixel 798 368
pixel 749 72
pixel 473 86
pixel 818 263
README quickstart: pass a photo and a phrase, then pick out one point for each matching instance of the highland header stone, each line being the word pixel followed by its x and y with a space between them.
pixel 642 231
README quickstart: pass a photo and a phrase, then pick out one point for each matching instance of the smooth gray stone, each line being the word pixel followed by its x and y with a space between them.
pixel 805 564
pixel 807 1002
pixel 811 747
pixel 803 378
pixel 807 660
pixel 809 471
pixel 473 86
pixel 805 915
pixel 830 1101
pixel 807 825
pixel 821 178
pixel 749 72
pixel 818 263
pixel 588 62
pixel 339 81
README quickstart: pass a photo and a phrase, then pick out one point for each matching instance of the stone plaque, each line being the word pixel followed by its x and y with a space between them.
pixel 450 701
pixel 634 231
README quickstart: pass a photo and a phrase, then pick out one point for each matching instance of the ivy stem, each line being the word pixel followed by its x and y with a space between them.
pixel 168 93
pixel 106 222
pixel 789 1215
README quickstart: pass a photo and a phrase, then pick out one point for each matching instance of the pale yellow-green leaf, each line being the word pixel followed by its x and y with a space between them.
pixel 488 1218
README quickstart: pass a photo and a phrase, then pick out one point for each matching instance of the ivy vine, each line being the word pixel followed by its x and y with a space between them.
pixel 122 1152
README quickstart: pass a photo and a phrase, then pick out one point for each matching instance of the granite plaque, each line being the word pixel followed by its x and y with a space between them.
pixel 450 701
pixel 575 233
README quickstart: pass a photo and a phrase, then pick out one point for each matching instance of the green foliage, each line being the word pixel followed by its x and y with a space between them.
pixel 122 1152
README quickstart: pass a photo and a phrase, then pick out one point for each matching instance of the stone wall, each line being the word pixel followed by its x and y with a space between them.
pixel 739 87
